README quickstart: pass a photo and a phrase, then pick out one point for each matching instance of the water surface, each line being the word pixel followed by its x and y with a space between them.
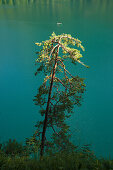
pixel 22 23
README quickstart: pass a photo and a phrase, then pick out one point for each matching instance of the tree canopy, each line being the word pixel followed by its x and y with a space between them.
pixel 59 92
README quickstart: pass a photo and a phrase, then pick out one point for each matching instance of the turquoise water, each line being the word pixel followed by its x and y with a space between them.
pixel 22 23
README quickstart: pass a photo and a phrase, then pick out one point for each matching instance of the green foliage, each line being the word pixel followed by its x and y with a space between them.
pixel 12 148
pixel 82 158
pixel 59 161
pixel 59 92
pixel 33 146
pixel 47 53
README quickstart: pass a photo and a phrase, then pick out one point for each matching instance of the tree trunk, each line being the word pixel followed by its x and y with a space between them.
pixel 47 108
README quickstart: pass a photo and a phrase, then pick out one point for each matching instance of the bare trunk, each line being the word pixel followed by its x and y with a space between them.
pixel 47 108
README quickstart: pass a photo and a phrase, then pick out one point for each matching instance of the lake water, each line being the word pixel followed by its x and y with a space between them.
pixel 22 23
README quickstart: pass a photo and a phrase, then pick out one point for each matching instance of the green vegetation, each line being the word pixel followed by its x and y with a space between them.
pixel 57 96
pixel 66 91
pixel 59 92
pixel 12 148
pixel 80 159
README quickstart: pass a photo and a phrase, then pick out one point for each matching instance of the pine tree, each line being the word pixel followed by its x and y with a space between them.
pixel 59 92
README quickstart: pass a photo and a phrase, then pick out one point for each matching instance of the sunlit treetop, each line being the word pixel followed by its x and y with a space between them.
pixel 65 42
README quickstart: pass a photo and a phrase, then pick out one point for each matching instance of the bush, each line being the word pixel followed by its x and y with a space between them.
pixel 75 160
pixel 12 148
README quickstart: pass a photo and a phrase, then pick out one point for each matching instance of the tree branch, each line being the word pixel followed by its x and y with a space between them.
pixel 60 82
pixel 47 77
pixel 65 68
pixel 61 45
pixel 53 49
pixel 54 129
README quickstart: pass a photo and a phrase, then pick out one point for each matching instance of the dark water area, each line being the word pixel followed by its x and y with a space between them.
pixel 22 23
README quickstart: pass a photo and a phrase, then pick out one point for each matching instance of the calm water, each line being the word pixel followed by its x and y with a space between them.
pixel 22 23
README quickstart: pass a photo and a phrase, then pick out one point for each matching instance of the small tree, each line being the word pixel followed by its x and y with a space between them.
pixel 12 148
pixel 59 92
